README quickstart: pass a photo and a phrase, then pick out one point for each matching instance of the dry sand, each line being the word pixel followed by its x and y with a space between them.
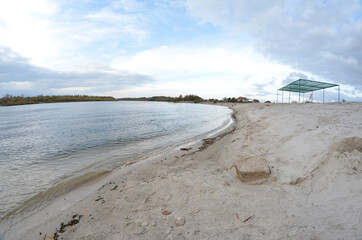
pixel 314 190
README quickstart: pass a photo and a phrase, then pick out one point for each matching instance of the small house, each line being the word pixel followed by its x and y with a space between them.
pixel 242 99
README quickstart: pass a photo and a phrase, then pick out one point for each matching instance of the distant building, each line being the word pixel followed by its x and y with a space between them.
pixel 242 99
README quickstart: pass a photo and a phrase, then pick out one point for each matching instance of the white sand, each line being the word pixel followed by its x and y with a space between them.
pixel 314 191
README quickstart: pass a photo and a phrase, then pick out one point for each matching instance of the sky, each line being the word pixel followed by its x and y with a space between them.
pixel 211 48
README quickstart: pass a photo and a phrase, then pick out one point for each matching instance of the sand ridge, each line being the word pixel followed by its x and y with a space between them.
pixel 314 190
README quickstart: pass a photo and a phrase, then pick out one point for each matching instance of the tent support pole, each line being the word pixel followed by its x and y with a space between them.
pixel 299 97
pixel 277 95
pixel 339 93
pixel 323 95
pixel 289 97
pixel 282 96
pixel 299 90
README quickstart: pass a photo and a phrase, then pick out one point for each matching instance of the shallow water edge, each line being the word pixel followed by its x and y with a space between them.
pixel 45 198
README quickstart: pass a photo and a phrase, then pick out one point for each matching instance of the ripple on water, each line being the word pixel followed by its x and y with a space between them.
pixel 48 144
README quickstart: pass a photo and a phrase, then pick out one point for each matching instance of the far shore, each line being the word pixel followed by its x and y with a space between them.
pixel 9 100
pixel 313 189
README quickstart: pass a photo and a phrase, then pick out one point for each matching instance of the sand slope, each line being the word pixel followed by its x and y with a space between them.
pixel 314 191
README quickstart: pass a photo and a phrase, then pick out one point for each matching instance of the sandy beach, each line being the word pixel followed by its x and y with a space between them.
pixel 313 189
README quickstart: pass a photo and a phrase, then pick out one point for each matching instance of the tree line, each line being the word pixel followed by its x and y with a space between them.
pixel 9 100
pixel 186 98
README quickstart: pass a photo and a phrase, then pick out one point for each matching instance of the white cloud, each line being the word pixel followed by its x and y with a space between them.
pixel 200 60
pixel 127 24
pixel 129 5
pixel 71 90
pixel 58 34
pixel 26 29
pixel 12 85
pixel 207 71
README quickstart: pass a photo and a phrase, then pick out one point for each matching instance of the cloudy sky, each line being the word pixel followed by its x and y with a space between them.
pixel 212 48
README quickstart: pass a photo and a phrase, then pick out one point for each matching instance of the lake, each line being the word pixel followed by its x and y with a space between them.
pixel 44 145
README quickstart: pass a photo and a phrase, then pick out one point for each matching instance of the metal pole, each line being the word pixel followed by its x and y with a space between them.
pixel 312 96
pixel 323 95
pixel 277 95
pixel 282 96
pixel 289 97
pixel 303 97
pixel 299 90
pixel 339 93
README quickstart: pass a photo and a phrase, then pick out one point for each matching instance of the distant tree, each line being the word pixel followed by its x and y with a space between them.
pixel 9 100
pixel 192 98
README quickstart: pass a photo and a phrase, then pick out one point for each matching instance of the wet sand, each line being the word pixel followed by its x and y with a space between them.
pixel 314 190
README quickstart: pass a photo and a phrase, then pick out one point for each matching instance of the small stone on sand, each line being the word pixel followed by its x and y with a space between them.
pixel 179 221
pixel 252 169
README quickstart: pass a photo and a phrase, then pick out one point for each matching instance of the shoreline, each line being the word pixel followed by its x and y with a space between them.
pixel 74 179
pixel 30 208
pixel 314 152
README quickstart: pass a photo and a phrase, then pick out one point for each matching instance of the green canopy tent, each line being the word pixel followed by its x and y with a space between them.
pixel 304 86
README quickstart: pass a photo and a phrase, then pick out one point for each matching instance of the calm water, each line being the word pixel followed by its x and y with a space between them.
pixel 46 144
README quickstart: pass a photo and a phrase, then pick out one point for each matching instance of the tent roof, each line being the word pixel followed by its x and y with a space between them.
pixel 304 85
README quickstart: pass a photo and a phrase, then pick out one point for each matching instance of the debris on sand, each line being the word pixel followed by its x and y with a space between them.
pixel 63 227
pixel 98 199
pixel 166 212
pixel 247 219
pixel 185 149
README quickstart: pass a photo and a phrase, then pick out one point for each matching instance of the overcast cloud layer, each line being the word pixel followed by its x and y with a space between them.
pixel 321 37
pixel 18 76
pixel 207 47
